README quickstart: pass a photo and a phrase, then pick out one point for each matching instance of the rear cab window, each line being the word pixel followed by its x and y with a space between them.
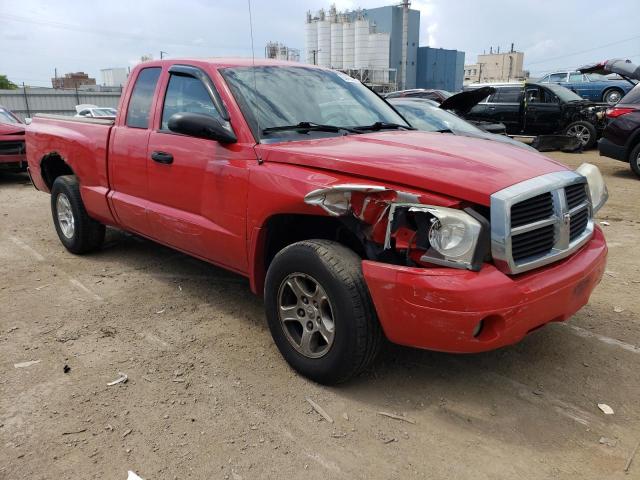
pixel 139 110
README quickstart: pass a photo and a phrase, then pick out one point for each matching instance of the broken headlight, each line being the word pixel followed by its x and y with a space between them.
pixel 445 236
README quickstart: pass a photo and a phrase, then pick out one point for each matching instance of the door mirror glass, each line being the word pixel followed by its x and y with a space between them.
pixel 200 125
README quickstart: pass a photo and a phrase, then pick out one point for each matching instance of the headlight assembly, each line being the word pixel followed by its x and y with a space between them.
pixel 597 187
pixel 448 237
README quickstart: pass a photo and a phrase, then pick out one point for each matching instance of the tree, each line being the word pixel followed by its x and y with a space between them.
pixel 6 84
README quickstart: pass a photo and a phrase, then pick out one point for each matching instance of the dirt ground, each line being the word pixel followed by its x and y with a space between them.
pixel 208 395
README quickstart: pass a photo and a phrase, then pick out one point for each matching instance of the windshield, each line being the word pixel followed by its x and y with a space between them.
pixel 6 117
pixel 431 118
pixel 564 94
pixel 276 96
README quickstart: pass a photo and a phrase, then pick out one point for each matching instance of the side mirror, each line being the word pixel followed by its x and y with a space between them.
pixel 201 126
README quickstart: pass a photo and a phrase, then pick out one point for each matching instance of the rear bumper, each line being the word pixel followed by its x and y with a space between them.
pixel 439 309
pixel 609 149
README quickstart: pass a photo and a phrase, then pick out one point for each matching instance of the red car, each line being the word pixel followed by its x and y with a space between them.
pixel 349 222
pixel 12 144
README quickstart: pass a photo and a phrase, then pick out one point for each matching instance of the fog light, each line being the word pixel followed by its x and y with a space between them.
pixel 478 329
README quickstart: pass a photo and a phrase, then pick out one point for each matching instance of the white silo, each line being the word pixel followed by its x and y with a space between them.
pixel 361 44
pixel 312 41
pixel 324 43
pixel 379 56
pixel 348 45
pixel 336 45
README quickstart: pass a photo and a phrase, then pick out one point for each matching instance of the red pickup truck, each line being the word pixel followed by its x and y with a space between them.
pixel 353 225
pixel 12 144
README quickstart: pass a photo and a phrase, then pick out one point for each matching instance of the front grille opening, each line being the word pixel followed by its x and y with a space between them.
pixel 12 148
pixel 576 194
pixel 534 243
pixel 579 222
pixel 532 210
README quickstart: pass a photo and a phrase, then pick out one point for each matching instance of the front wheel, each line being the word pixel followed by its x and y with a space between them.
pixel 584 131
pixel 78 232
pixel 319 311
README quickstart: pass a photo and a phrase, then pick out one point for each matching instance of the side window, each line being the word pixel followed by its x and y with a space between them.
pixel 558 77
pixel 186 94
pixel 576 77
pixel 507 95
pixel 142 98
pixel 545 79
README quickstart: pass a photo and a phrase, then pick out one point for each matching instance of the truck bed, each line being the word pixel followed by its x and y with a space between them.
pixel 83 144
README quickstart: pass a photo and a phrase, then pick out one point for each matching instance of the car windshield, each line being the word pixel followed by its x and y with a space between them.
pixel 427 116
pixel 277 96
pixel 104 112
pixel 6 117
pixel 564 94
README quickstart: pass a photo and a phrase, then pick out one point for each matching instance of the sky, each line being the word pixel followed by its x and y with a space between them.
pixel 38 36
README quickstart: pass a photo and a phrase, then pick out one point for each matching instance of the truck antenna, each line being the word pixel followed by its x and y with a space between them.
pixel 255 83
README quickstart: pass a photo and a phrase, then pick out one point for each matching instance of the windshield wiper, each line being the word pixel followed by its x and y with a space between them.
pixel 308 126
pixel 382 126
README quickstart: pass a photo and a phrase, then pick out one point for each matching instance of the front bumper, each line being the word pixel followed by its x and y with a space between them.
pixel 441 308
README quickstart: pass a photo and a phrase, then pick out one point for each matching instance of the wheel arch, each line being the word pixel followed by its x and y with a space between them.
pixel 283 229
pixel 52 166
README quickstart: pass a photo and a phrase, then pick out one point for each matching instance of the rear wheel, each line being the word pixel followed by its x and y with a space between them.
pixel 612 96
pixel 78 232
pixel 634 160
pixel 584 131
pixel 320 314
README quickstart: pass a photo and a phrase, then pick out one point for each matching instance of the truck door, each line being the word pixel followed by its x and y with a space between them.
pixel 541 111
pixel 197 186
pixel 128 154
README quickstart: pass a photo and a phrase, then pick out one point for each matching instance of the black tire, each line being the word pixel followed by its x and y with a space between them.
pixel 357 333
pixel 584 126
pixel 87 234
pixel 634 160
pixel 612 96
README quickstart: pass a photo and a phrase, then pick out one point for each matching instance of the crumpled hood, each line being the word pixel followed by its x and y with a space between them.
pixel 11 129
pixel 464 101
pixel 460 167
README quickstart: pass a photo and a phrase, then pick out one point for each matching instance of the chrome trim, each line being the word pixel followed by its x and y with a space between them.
pixel 502 233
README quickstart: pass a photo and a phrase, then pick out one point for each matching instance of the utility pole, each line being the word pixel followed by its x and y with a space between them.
pixel 162 54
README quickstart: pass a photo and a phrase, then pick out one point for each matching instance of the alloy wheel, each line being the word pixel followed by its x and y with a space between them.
pixel 581 132
pixel 65 216
pixel 306 315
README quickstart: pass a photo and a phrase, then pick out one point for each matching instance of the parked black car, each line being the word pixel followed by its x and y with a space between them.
pixel 426 115
pixel 621 137
pixel 535 109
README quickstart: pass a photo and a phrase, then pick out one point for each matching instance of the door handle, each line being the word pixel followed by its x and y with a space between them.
pixel 162 157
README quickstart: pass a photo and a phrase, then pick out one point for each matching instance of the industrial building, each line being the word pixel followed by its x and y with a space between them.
pixel 380 46
pixel 114 77
pixel 278 51
pixel 496 67
pixel 72 80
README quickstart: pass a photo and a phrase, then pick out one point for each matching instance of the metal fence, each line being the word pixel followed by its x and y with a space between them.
pixel 26 102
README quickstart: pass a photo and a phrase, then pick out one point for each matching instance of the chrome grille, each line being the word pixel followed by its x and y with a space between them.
pixel 540 221
pixel 532 210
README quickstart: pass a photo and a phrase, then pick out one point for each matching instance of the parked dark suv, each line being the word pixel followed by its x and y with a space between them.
pixel 535 109
pixel 621 137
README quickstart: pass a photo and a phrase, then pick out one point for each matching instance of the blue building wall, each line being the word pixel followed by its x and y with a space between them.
pixel 389 20
pixel 440 69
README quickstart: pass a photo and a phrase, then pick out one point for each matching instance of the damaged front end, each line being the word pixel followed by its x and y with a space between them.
pixel 397 227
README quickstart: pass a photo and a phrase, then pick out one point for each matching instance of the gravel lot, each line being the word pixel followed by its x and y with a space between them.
pixel 209 396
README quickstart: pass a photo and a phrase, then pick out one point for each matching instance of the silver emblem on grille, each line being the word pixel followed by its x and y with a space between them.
pixel 566 218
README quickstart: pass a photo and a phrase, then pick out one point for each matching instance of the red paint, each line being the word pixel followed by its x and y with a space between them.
pixel 214 201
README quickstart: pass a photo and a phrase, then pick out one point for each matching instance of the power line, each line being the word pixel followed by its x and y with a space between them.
pixel 583 51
